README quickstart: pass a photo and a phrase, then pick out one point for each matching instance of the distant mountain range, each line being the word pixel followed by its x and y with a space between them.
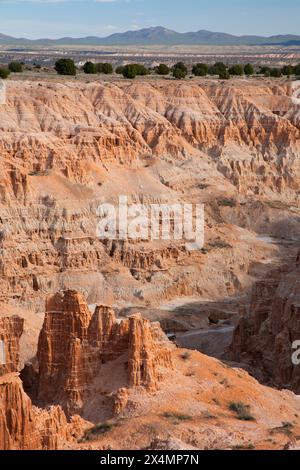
pixel 159 36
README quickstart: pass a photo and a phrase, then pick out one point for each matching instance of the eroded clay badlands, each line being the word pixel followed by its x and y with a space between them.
pixel 86 323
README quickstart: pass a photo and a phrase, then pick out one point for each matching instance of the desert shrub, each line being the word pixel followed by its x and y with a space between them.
pixel 249 446
pixel 129 71
pixel 217 68
pixel 242 411
pixel 177 416
pixel 236 70
pixel 179 74
pixel 224 75
pixel 212 70
pixel 132 70
pixel 65 67
pixel 15 67
pixel 4 73
pixel 200 70
pixel 141 69
pixel 119 69
pixel 249 69
pixel 97 430
pixel 286 428
pixel 180 71
pixel 162 69
pixel 226 202
pixel 181 66
pixel 104 67
pixel 297 69
pixel 287 70
pixel 186 355
pixel 275 73
pixel 264 70
pixel 89 68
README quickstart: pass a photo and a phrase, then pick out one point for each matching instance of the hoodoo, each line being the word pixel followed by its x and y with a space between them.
pixel 74 345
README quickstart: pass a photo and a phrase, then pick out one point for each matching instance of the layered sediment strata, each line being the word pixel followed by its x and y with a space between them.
pixel 11 329
pixel 71 127
pixel 67 147
pixel 26 427
pixel 74 344
pixel 159 395
pixel 265 336
pixel 22 425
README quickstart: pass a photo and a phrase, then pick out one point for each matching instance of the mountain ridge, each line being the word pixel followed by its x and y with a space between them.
pixel 160 36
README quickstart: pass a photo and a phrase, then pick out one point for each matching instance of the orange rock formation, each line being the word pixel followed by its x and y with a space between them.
pixel 265 335
pixel 22 425
pixel 74 344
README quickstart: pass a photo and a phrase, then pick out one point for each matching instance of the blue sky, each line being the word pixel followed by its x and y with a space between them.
pixel 56 18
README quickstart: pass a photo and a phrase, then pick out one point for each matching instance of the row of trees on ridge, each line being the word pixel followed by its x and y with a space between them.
pixel 179 71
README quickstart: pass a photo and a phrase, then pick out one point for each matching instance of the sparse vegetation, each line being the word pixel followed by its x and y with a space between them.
pixel 162 69
pixel 275 73
pixel 129 71
pixel 226 202
pixel 286 429
pixel 224 75
pixel 208 415
pixel 39 173
pixel 186 356
pixel 89 68
pixel 297 69
pixel 217 69
pixel 104 68
pixel 177 416
pixel 119 70
pixel 221 244
pixel 200 70
pixel 216 401
pixel 249 69
pixel 190 374
pixel 15 67
pixel 249 446
pixel 132 70
pixel 4 73
pixel 180 71
pixel 264 70
pixel 242 411
pixel 97 430
pixel 287 70
pixel 65 67
pixel 236 70
pixel 225 383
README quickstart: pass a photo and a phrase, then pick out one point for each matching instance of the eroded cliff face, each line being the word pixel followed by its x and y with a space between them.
pixel 265 335
pixel 71 127
pixel 22 425
pixel 65 148
pixel 11 329
pixel 26 427
pixel 142 387
pixel 74 345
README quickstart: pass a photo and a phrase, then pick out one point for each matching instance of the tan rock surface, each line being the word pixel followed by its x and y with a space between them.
pixel 189 408
pixel 74 344
pixel 265 335
pixel 22 425
pixel 66 147
pixel 11 330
